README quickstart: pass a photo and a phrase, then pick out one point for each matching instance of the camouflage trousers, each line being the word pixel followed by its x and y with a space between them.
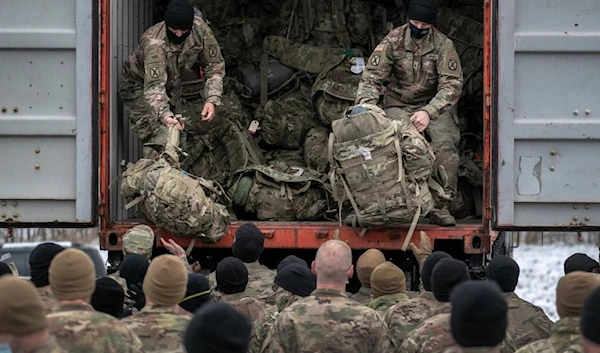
pixel 444 135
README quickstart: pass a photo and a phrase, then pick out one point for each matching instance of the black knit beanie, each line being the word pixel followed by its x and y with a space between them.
pixel 580 262
pixel 4 269
pixel 231 275
pixel 197 292
pixel 428 266
pixel 108 297
pixel 423 11
pixel 39 262
pixel 217 327
pixel 296 279
pixel 291 259
pixel 447 274
pixel 179 15
pixel 590 317
pixel 504 271
pixel 248 243
pixel 133 269
pixel 479 314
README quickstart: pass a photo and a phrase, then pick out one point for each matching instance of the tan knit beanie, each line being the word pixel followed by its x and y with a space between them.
pixel 366 264
pixel 387 278
pixel 21 309
pixel 571 292
pixel 166 280
pixel 72 275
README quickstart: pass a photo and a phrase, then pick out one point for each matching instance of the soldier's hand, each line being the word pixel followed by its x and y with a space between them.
pixel 420 120
pixel 208 113
pixel 173 248
pixel 196 267
pixel 136 294
pixel 172 121
pixel 424 249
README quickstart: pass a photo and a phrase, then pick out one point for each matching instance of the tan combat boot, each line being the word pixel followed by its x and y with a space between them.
pixel 442 217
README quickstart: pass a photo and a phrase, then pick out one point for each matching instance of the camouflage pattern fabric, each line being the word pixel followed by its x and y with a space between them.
pixel 260 280
pixel 49 346
pixel 246 305
pixel 160 329
pixel 48 299
pixel 458 349
pixel 265 321
pixel 526 322
pixel 565 336
pixel 138 240
pixel 406 316
pixel 383 303
pixel 151 88
pixel 467 200
pixel 315 149
pixel 120 280
pixel 412 294
pixel 363 296
pixel 217 13
pixel 327 321
pixel 78 328
pixel 301 57
pixel 294 158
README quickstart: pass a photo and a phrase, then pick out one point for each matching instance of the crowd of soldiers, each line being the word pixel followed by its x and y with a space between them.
pixel 164 305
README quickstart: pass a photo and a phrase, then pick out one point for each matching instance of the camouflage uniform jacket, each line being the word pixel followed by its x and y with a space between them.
pixel 50 346
pixel 428 78
pixel 564 337
pixel 250 307
pixel 265 321
pixel 405 316
pixel 160 329
pixel 48 299
pixel 526 322
pixel 328 321
pixel 122 282
pixel 383 303
pixel 78 328
pixel 458 349
pixel 156 67
pixel 260 280
pixel 434 335
pixel 363 296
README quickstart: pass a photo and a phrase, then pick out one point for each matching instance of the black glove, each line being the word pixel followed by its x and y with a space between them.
pixel 136 294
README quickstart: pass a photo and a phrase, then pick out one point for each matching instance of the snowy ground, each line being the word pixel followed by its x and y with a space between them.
pixel 542 267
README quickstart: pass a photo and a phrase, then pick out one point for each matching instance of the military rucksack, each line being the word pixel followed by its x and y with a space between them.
pixel 383 168
pixel 315 149
pixel 172 199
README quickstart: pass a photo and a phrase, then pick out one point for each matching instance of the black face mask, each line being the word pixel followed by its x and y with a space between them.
pixel 417 33
pixel 177 40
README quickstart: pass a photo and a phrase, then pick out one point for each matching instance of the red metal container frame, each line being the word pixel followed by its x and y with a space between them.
pixel 476 237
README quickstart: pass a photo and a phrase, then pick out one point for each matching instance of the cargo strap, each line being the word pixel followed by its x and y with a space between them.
pixel 190 247
pixel 264 79
pixel 292 19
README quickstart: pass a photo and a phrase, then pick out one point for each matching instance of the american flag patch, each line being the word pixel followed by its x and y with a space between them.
pixel 380 47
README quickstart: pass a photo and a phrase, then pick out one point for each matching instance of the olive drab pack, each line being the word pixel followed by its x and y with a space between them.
pixel 281 192
pixel 172 199
pixel 383 168
pixel 315 149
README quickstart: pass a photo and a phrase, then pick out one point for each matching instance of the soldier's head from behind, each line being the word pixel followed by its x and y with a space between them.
pixel 23 325
pixel 366 263
pixel 231 276
pixel 197 293
pixel 39 263
pixel 71 276
pixel 138 240
pixel 590 323
pixel 387 279
pixel 479 315
pixel 333 265
pixel 108 297
pixel 505 272
pixel 428 267
pixel 581 262
pixel 179 19
pixel 165 282
pixel 248 243
pixel 133 269
pixel 571 292
pixel 291 259
pixel 217 327
pixel 5 270
pixel 447 274
pixel 296 279
pixel 422 15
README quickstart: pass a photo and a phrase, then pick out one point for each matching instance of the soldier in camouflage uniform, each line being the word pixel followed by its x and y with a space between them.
pixel 388 284
pixel 565 335
pixel 39 263
pixel 426 82
pixel 158 326
pixel 527 322
pixel 23 323
pixel 590 317
pixel 405 316
pixel 296 282
pixel 78 328
pixel 232 280
pixel 151 88
pixel 365 265
pixel 327 320
pixel 137 240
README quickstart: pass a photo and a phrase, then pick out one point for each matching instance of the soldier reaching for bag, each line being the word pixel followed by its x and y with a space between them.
pixel 151 88
pixel 426 82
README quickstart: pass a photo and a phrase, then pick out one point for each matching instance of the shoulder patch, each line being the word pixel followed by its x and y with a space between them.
pixel 379 48
pixel 452 65
pixel 375 60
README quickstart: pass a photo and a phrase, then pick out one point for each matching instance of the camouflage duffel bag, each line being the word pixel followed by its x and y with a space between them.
pixel 315 149
pixel 294 158
pixel 383 168
pixel 280 192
